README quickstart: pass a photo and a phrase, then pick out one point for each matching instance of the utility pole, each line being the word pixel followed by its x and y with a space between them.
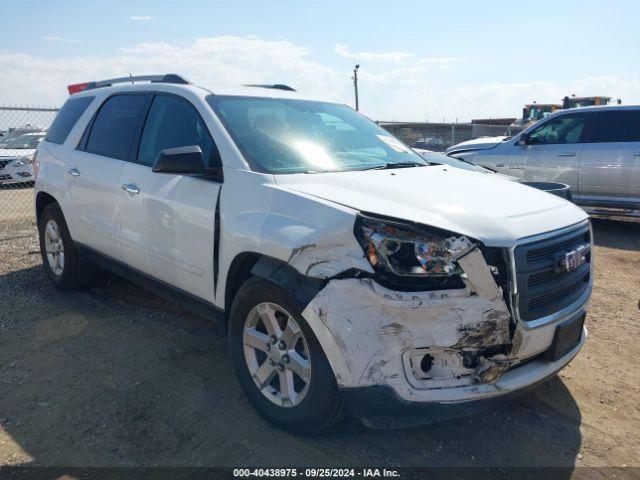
pixel 355 84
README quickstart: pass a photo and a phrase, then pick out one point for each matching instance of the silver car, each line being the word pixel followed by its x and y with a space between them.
pixel 595 150
pixel 16 158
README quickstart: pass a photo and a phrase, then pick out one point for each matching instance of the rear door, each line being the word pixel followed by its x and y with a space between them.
pixel 553 151
pixel 610 163
pixel 93 171
pixel 167 221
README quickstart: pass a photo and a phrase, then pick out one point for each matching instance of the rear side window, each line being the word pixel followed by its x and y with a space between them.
pixel 115 126
pixel 67 118
pixel 174 122
pixel 617 126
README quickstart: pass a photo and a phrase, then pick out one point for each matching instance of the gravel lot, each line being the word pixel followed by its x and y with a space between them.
pixel 118 376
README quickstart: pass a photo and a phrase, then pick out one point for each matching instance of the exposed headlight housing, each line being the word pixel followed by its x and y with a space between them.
pixel 413 257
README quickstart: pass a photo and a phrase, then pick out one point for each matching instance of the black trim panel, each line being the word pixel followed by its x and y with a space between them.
pixel 216 243
pixel 191 302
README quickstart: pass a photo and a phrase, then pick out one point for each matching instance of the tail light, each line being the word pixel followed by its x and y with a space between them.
pixel 77 87
pixel 35 164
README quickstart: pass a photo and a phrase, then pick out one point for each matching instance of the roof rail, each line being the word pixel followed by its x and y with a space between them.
pixel 167 78
pixel 275 86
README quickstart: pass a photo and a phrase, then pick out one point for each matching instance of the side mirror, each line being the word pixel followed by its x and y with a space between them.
pixel 180 160
pixel 524 139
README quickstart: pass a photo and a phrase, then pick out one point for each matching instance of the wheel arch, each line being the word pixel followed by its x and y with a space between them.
pixel 249 264
pixel 43 199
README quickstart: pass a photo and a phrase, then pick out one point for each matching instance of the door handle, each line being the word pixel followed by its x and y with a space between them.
pixel 499 165
pixel 636 154
pixel 567 154
pixel 130 188
pixel 74 172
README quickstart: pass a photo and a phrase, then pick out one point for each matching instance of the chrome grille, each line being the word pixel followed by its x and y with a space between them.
pixel 544 286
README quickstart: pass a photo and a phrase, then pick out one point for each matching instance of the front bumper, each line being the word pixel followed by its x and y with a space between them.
pixel 374 339
pixel 11 174
pixel 381 406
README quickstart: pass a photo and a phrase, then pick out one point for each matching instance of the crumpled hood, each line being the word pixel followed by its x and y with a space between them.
pixel 488 209
pixel 482 143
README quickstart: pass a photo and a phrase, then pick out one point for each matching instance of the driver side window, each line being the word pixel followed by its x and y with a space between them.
pixel 561 130
pixel 174 122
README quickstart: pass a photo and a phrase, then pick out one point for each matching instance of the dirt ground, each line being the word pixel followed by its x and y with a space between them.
pixel 118 376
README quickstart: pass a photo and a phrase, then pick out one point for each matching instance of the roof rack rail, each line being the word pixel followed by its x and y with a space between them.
pixel 167 78
pixel 275 86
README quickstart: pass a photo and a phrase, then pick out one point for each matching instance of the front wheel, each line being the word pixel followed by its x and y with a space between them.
pixel 279 362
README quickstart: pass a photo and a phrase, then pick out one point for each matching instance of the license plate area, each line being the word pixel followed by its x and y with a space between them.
pixel 566 338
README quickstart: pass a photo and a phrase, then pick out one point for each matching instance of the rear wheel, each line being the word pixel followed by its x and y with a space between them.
pixel 60 258
pixel 279 362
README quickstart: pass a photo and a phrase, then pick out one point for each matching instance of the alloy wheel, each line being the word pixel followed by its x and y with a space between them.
pixel 54 247
pixel 277 354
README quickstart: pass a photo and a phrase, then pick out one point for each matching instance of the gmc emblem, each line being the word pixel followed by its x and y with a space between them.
pixel 572 259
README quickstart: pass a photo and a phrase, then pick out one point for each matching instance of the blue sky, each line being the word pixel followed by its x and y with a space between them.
pixel 419 59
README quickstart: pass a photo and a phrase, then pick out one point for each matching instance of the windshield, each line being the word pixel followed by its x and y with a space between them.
pixel 24 142
pixel 296 136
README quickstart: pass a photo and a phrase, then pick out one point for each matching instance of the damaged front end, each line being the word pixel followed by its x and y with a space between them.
pixel 433 316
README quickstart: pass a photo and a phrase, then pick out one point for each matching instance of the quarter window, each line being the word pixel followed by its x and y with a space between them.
pixel 560 130
pixel 115 125
pixel 617 126
pixel 174 122
pixel 67 118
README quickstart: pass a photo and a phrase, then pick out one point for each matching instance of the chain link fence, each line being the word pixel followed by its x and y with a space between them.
pixel 21 129
pixel 440 136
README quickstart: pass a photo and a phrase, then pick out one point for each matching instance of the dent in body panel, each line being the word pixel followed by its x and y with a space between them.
pixel 438 339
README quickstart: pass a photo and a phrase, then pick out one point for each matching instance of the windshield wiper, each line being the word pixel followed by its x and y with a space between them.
pixel 391 165
pixel 475 164
pixel 487 167
pixel 385 166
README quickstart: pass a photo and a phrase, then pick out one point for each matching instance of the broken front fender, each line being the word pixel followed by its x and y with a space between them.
pixel 413 340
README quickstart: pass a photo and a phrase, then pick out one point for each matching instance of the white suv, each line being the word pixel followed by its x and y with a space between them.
pixel 350 273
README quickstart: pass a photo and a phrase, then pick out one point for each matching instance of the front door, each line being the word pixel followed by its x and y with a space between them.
pixel 553 150
pixel 167 221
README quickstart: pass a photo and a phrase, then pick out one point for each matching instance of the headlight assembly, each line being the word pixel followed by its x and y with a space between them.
pixel 404 251
pixel 24 161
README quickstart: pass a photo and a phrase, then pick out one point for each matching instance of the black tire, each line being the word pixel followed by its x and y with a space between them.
pixel 322 405
pixel 76 273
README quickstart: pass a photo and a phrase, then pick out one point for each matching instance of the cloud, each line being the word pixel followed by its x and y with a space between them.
pixel 210 61
pixel 389 57
pixel 49 38
pixel 441 63
pixel 409 91
pixel 141 18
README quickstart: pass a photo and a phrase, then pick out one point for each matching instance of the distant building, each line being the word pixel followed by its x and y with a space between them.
pixel 493 121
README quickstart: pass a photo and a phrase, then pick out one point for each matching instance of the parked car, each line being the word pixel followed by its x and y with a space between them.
pixel 430 143
pixel 595 150
pixel 17 132
pixel 349 273
pixel 16 158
